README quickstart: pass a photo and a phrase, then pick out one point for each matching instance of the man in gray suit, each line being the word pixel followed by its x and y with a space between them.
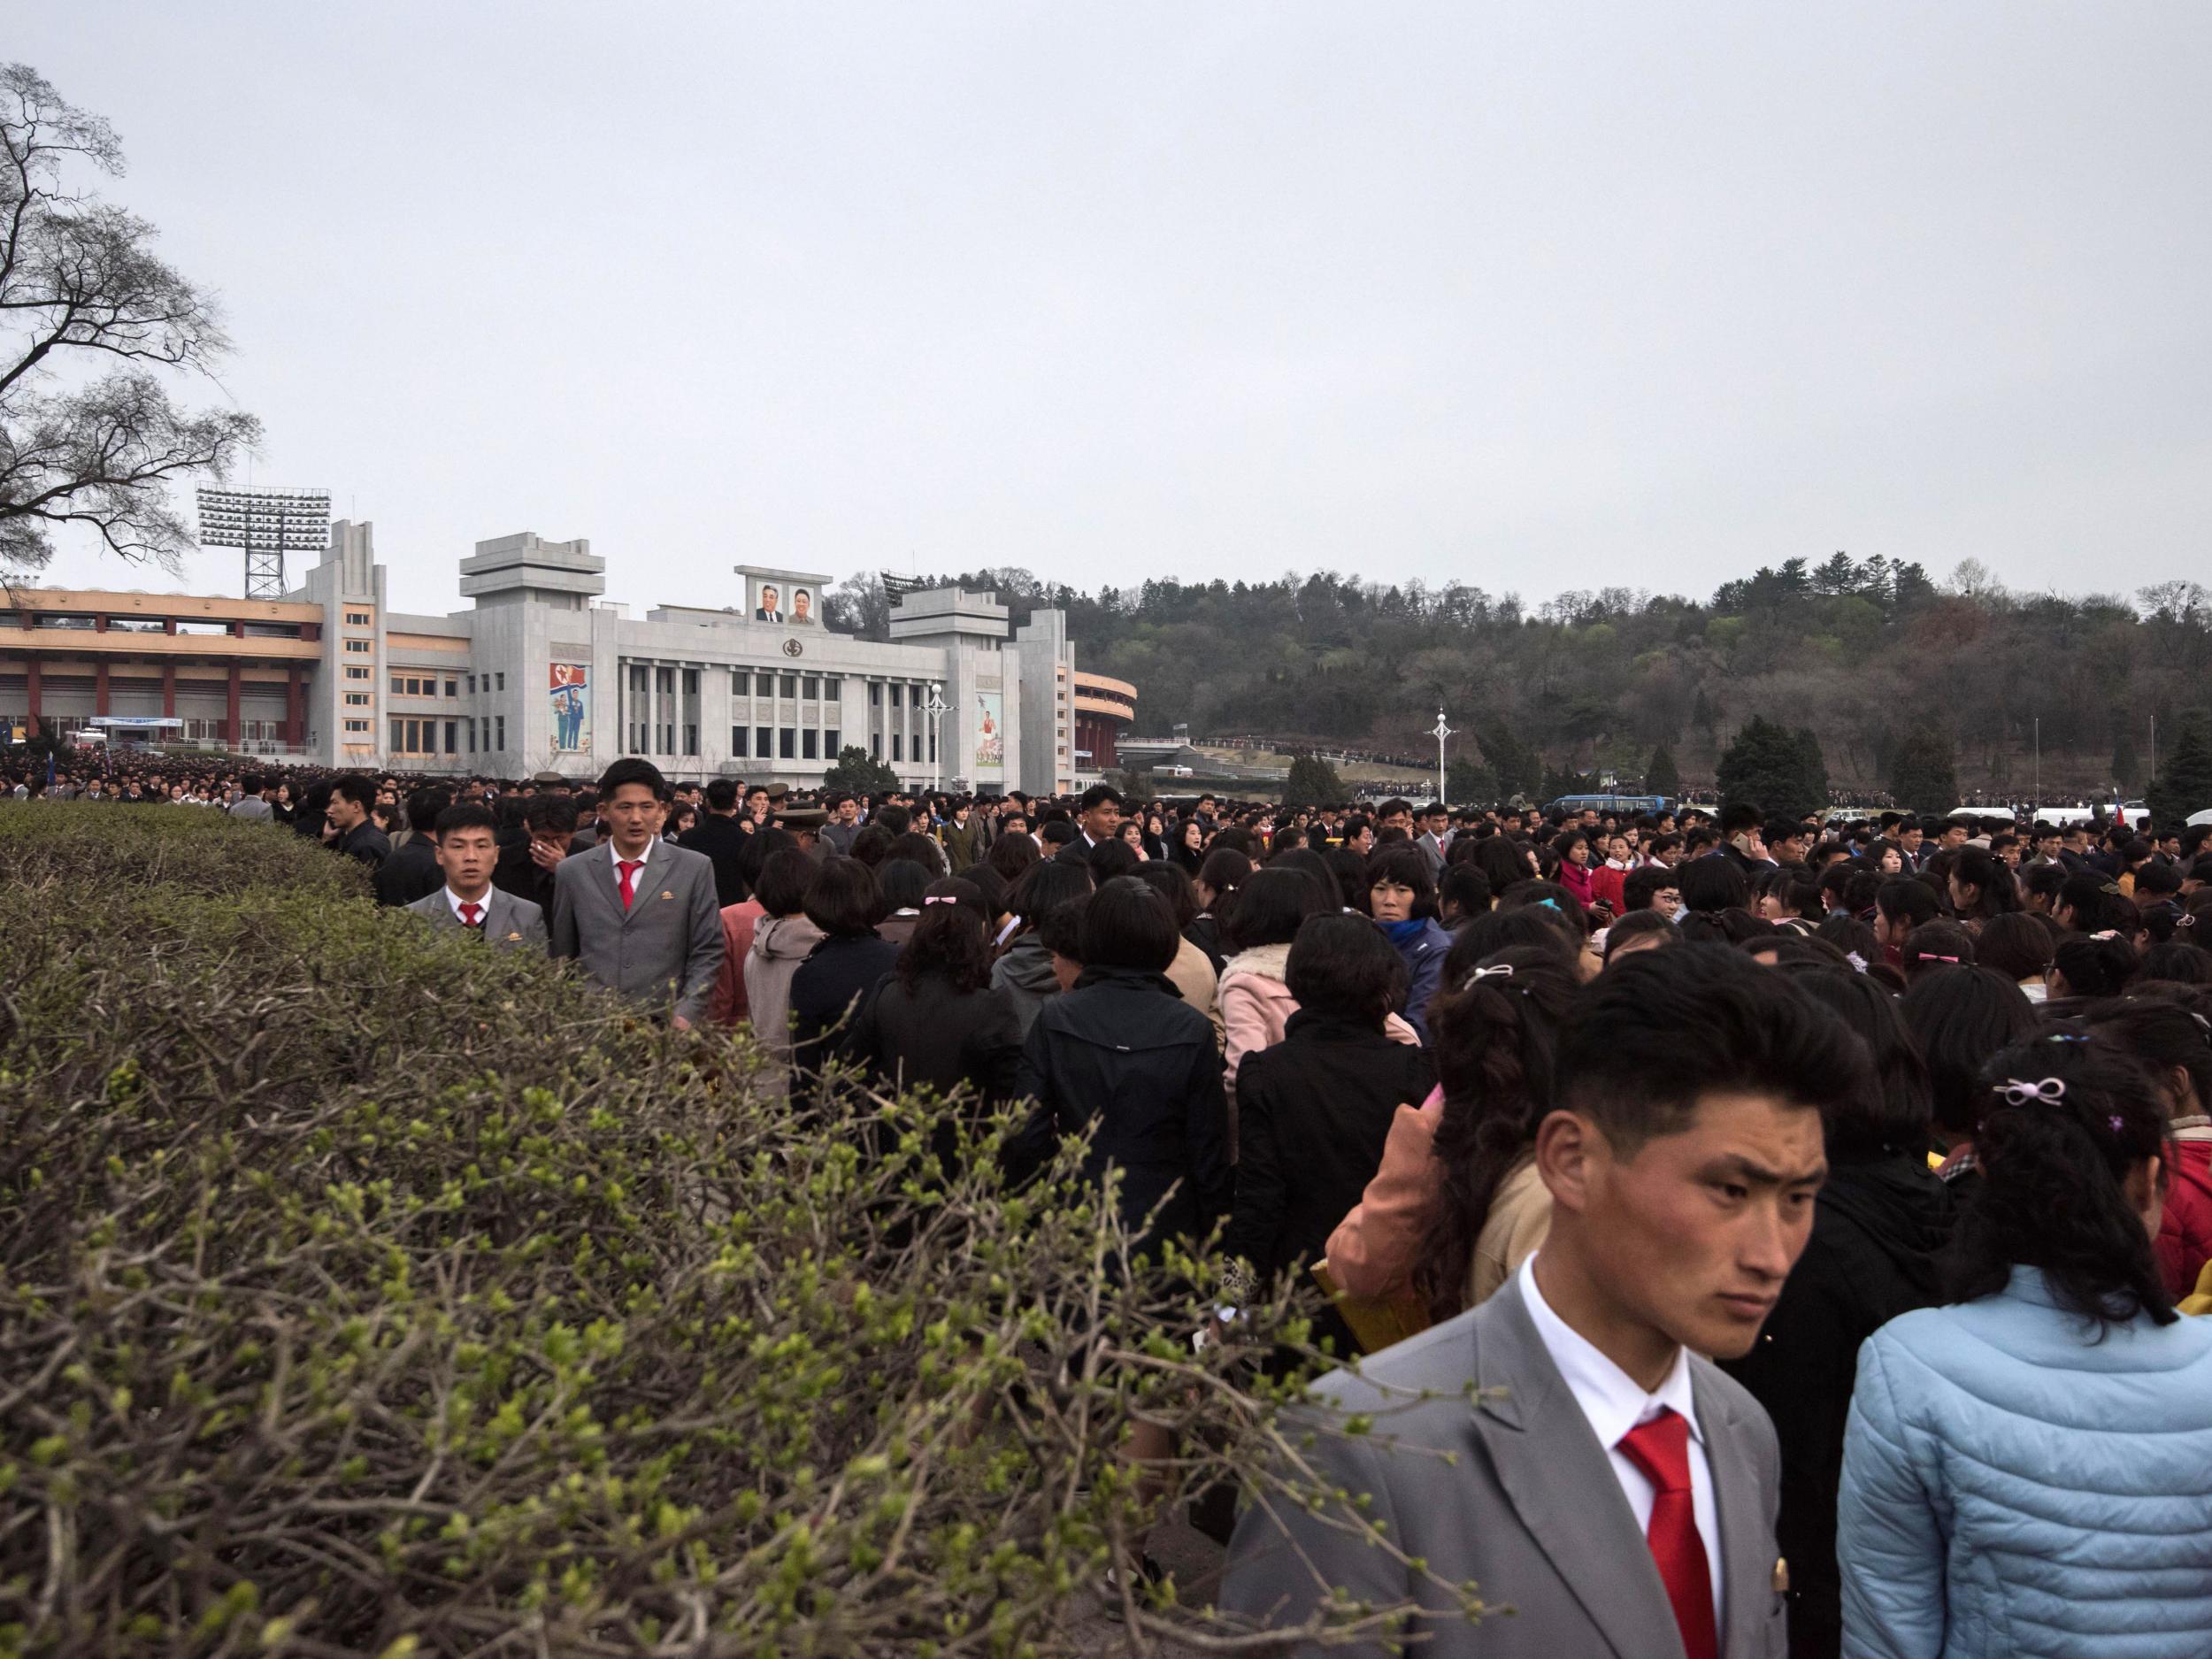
pixel 639 913
pixel 1565 1446
pixel 468 851
pixel 249 804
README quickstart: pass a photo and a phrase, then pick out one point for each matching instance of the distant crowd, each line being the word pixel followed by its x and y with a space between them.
pixel 1767 1234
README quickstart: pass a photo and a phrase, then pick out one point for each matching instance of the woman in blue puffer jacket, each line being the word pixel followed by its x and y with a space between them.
pixel 2029 1470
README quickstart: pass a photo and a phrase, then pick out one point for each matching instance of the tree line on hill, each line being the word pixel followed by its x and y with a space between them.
pixel 1875 664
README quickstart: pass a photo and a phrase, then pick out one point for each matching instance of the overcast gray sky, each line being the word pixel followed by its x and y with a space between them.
pixel 1527 296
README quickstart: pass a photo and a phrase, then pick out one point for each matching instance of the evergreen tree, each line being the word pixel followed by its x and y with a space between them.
pixel 2183 785
pixel 859 771
pixel 1775 768
pixel 1471 782
pixel 2127 765
pixel 1312 782
pixel 1812 772
pixel 1921 779
pixel 1661 775
pixel 1517 767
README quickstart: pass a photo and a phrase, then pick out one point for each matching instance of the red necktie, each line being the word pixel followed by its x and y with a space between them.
pixel 629 868
pixel 1661 1449
pixel 471 912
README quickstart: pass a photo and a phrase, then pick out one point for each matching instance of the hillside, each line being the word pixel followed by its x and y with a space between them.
pixel 1862 652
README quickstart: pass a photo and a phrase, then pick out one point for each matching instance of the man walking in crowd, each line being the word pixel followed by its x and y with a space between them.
pixel 639 913
pixel 843 823
pixel 716 836
pixel 467 850
pixel 411 871
pixel 249 805
pixel 1098 818
pixel 1566 1444
pixel 346 821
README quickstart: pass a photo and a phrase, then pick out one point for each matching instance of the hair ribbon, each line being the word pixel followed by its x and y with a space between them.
pixel 2049 1090
pixel 1480 974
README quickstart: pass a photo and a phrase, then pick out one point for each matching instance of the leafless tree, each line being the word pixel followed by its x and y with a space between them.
pixel 92 325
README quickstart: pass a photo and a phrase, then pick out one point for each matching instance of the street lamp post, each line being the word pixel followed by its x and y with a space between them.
pixel 1441 732
pixel 935 709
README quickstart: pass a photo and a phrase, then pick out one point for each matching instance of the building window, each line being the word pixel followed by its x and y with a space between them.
pixel 808 739
pixel 356 725
pixel 449 690
pixel 499 683
pixel 362 647
pixel 811 689
pixel 833 689
pixel 358 670
pixel 875 693
pixel 786 743
pixel 761 743
pixel 875 746
pixel 399 736
pixel 741 684
pixel 357 618
pixel 898 744
pixel 895 696
pixel 787 686
pixel 932 742
pixel 357 699
pixel 502 731
pixel 470 723
pixel 472 685
pixel 737 742
pixel 831 746
pixel 452 731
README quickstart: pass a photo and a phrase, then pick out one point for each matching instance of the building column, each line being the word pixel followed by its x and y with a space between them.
pixel 295 708
pixel 230 716
pixel 100 688
pixel 30 685
pixel 169 624
pixel 168 692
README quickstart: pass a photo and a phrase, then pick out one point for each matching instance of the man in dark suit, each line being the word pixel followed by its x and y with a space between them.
pixel 1097 819
pixel 347 827
pixel 718 836
pixel 639 913
pixel 1565 1446
pixel 465 900
pixel 411 872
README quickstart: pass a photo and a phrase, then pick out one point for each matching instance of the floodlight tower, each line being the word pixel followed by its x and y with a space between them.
pixel 265 524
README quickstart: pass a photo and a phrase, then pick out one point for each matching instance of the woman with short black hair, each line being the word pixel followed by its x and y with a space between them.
pixel 1315 1108
pixel 1122 1054
pixel 935 1023
pixel 845 904
pixel 1402 893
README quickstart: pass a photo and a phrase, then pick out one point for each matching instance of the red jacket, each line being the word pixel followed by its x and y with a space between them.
pixel 1606 885
pixel 2183 1244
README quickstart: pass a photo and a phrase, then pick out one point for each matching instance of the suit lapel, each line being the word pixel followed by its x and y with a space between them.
pixel 1747 1544
pixel 1561 1482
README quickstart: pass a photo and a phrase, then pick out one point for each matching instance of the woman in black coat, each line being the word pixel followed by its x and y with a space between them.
pixel 1122 1054
pixel 830 983
pixel 1315 1108
pixel 936 1022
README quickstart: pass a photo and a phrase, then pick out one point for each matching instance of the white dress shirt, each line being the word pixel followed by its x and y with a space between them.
pixel 483 905
pixel 1615 1402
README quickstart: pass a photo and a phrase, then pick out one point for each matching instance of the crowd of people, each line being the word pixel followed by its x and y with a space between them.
pixel 1791 1225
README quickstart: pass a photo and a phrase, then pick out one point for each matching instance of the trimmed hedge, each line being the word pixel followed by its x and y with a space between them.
pixel 370 1293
